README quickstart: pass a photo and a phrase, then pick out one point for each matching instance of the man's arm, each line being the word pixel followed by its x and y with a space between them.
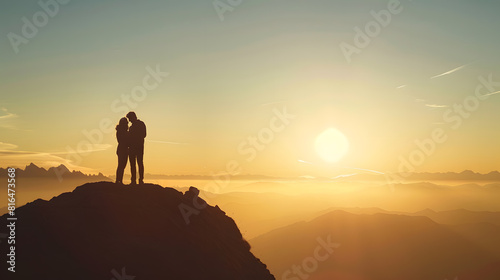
pixel 144 129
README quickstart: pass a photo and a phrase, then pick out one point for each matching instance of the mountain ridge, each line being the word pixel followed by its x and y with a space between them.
pixel 60 172
pixel 32 170
pixel 383 247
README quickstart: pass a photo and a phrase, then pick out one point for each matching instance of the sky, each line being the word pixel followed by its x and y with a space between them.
pixel 279 88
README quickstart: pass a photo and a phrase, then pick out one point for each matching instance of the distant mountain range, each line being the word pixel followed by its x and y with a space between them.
pixel 381 247
pixel 466 175
pixel 59 172
pixel 110 231
pixel 32 170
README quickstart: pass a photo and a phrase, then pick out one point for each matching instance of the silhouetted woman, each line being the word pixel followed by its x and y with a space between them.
pixel 122 151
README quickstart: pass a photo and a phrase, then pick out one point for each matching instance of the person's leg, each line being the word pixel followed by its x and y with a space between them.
pixel 140 162
pixel 132 167
pixel 118 174
pixel 122 163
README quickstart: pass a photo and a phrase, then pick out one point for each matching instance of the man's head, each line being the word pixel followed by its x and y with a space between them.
pixel 131 116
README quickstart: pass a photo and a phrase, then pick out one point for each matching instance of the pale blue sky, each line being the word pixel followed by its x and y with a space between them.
pixel 221 72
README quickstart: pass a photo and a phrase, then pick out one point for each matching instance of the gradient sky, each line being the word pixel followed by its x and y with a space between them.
pixel 226 79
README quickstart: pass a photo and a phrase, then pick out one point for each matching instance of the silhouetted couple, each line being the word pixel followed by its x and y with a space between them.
pixel 130 146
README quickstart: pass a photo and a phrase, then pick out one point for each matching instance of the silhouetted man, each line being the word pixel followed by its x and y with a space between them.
pixel 137 134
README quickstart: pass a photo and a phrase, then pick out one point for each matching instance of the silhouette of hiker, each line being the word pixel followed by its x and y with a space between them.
pixel 137 133
pixel 122 136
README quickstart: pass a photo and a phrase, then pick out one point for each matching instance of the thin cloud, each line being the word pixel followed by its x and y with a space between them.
pixel 7 146
pixel 450 71
pixel 431 105
pixel 436 106
pixel 401 86
pixel 7 115
pixel 344 176
pixel 20 153
pixel 347 167
pixel 6 119
pixel 167 142
pixel 363 169
pixel 16 158
pixel 95 148
pixel 491 93
pixel 22 158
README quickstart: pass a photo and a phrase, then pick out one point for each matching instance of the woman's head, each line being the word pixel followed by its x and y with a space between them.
pixel 122 124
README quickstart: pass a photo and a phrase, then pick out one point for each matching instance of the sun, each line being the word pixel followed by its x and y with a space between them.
pixel 331 145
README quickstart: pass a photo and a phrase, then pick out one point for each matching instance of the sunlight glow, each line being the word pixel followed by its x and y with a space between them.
pixel 331 145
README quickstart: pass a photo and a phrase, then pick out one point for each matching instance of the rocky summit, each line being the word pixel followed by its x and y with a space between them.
pixel 111 231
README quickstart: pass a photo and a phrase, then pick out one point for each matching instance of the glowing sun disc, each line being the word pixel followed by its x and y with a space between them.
pixel 331 145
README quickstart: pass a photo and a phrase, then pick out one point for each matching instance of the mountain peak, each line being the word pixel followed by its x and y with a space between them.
pixel 33 170
pixel 62 166
pixel 61 169
pixel 101 227
pixel 33 166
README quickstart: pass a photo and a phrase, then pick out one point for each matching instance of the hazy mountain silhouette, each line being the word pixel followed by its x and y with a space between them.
pixel 461 216
pixel 448 217
pixel 489 271
pixel 466 175
pixel 98 229
pixel 38 182
pixel 383 247
pixel 59 172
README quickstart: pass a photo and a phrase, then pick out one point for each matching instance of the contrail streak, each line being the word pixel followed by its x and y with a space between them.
pixel 449 72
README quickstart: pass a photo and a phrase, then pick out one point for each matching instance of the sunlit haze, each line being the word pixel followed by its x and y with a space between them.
pixel 216 87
